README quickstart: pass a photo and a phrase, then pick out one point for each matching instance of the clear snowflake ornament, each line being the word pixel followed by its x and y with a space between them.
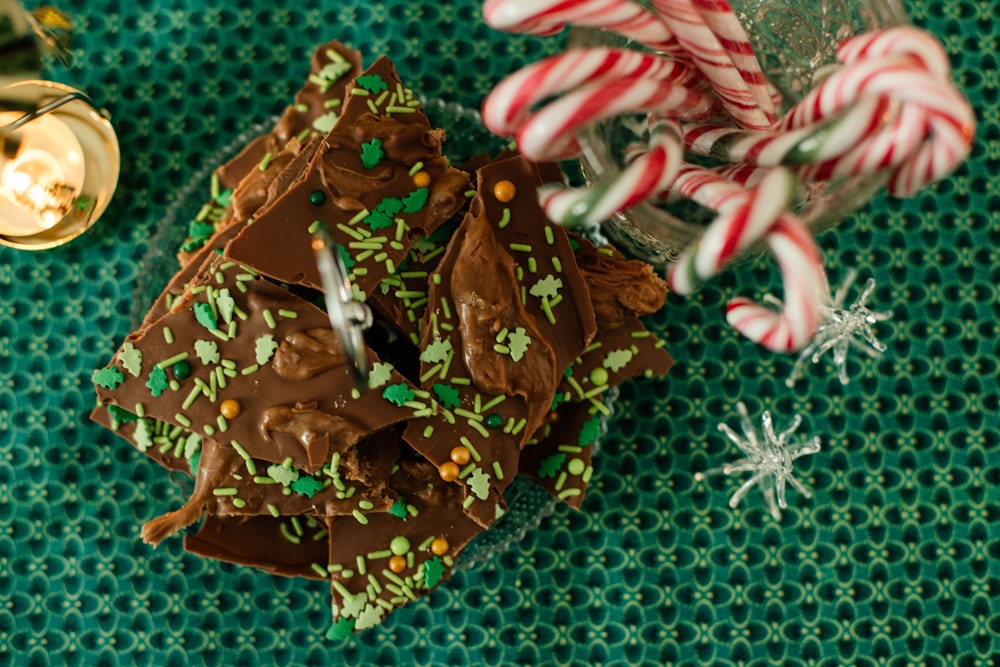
pixel 843 329
pixel 768 457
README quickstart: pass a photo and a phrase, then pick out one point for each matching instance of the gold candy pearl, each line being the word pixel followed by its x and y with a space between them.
pixel 229 409
pixel 397 564
pixel 460 455
pixel 504 191
pixel 448 471
pixel 421 179
pixel 439 546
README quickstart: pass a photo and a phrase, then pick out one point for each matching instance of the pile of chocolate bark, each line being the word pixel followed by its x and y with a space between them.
pixel 497 336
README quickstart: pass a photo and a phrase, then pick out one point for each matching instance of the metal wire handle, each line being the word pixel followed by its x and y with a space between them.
pixel 349 318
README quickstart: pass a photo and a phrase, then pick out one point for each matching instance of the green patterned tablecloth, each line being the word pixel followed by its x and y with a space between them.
pixel 894 561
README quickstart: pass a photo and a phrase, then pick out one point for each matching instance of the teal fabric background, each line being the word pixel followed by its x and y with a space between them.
pixel 895 561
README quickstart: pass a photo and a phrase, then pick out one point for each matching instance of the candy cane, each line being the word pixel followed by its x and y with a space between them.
pixel 550 134
pixel 650 171
pixel 742 91
pixel 548 17
pixel 511 102
pixel 745 218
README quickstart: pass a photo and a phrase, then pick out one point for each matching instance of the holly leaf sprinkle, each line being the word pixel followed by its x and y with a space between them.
pixel 551 465
pixel 307 485
pixel 589 431
pixel 398 509
pixel 433 572
pixel 342 629
pixel 370 617
pixel 436 351
pixel 157 382
pixel 377 220
pixel 281 474
pixel 109 377
pixel 334 71
pixel 416 200
pixel 346 256
pixel 192 445
pixel 518 342
pixel 373 83
pixel 371 153
pixel 354 604
pixel 264 348
pixel 379 375
pixel 120 415
pixel 207 351
pixel 323 124
pixel 447 395
pixel 399 394
pixel 143 434
pixel 548 286
pixel 226 305
pixel 479 482
pixel 131 359
pixel 206 318
pixel 617 359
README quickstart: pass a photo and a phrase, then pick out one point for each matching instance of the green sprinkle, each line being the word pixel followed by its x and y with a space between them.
pixel 520 247
pixel 180 356
pixel 249 370
pixel 314 226
pixel 399 545
pixel 263 479
pixel 497 470
pixel 362 519
pixel 269 318
pixel 416 167
pixel 266 162
pixel 290 314
pixel 504 219
pixel 318 569
pixel 168 335
pixel 365 504
pixel 362 566
pixel 273 509
pixel 181 419
pixel 239 503
pixel 225 491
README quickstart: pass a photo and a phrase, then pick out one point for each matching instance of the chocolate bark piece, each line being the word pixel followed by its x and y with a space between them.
pixel 620 288
pixel 231 483
pixel 236 337
pixel 397 557
pixel 559 456
pixel 290 546
pixel 314 112
pixel 378 181
pixel 508 312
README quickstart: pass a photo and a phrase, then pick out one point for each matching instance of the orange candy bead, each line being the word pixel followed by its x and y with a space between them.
pixel 460 455
pixel 229 409
pixel 448 471
pixel 421 179
pixel 439 546
pixel 504 191
pixel 397 564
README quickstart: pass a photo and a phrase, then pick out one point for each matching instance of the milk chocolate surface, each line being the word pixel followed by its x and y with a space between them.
pixel 378 181
pixel 246 340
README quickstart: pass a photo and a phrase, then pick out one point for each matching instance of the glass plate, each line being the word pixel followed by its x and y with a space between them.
pixel 528 503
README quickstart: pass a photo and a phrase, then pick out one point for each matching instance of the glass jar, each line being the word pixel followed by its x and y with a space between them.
pixel 795 41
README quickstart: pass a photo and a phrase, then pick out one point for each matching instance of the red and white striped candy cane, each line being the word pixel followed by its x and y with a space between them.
pixel 512 101
pixel 550 134
pixel 746 217
pixel 650 171
pixel 726 59
pixel 548 17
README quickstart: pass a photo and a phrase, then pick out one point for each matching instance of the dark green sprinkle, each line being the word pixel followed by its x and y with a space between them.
pixel 494 420
pixel 182 370
pixel 317 197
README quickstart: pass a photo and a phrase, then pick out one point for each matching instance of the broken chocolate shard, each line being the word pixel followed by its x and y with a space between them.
pixel 227 329
pixel 378 180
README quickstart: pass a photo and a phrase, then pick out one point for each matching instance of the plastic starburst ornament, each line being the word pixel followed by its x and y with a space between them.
pixel 769 459
pixel 843 329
